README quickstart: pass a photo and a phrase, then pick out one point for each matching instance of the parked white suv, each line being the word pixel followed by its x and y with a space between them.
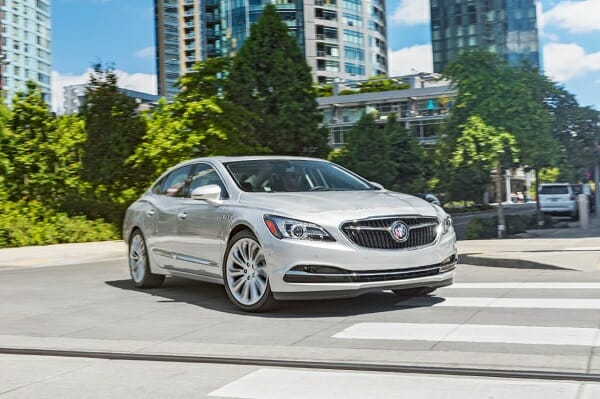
pixel 558 199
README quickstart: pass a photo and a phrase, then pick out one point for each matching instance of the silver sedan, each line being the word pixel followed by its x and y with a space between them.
pixel 281 228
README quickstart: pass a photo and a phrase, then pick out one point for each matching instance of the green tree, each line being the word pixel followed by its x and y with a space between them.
pixel 114 130
pixel 509 98
pixel 575 128
pixel 407 156
pixel 271 79
pixel 67 145
pixel 199 122
pixel 31 127
pixel 5 164
pixel 483 146
pixel 368 152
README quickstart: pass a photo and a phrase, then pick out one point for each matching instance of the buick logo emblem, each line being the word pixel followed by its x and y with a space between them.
pixel 399 231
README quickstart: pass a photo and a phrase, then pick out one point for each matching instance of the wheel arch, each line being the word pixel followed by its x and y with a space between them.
pixel 240 227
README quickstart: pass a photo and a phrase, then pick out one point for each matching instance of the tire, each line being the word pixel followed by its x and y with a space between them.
pixel 414 291
pixel 245 274
pixel 139 263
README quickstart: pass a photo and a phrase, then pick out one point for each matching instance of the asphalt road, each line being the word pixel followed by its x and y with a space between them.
pixel 502 333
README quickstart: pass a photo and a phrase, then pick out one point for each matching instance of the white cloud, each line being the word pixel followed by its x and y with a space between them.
pixel 411 12
pixel 147 52
pixel 564 61
pixel 143 82
pixel 575 16
pixel 418 58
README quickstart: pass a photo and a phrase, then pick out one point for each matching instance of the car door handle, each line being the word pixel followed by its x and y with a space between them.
pixel 150 212
pixel 182 215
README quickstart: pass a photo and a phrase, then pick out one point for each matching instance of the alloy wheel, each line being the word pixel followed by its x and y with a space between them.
pixel 246 272
pixel 138 260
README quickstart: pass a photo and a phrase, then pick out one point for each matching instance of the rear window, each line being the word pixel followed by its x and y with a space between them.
pixel 554 190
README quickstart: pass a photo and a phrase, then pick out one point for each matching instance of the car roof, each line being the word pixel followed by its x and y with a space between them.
pixel 225 159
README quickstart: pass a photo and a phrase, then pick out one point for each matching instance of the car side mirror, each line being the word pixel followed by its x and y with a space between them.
pixel 210 193
pixel 377 185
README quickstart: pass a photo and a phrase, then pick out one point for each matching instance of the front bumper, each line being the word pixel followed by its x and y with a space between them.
pixel 301 269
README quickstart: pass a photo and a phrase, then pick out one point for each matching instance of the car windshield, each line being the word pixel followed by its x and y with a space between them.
pixel 554 190
pixel 275 175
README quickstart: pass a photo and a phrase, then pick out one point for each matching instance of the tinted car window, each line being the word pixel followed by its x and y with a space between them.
pixel 293 176
pixel 554 190
pixel 204 175
pixel 175 184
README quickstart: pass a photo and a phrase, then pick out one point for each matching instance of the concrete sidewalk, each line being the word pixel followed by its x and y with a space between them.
pixel 565 248
pixel 569 247
pixel 62 254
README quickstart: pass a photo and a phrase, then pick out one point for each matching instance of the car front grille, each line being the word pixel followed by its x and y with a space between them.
pixel 376 232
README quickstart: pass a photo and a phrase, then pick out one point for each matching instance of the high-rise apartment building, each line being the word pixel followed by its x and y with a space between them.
pixel 25 47
pixel 341 39
pixel 505 27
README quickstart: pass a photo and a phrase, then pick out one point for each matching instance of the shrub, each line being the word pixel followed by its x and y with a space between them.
pixel 480 228
pixel 454 208
pixel 29 223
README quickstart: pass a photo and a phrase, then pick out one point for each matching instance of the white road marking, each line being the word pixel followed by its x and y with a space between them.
pixel 581 249
pixel 305 384
pixel 521 303
pixel 525 285
pixel 473 333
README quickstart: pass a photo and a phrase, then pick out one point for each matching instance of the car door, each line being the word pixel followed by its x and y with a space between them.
pixel 168 200
pixel 201 225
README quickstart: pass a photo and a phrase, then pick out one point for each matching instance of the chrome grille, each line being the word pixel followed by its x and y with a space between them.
pixel 376 233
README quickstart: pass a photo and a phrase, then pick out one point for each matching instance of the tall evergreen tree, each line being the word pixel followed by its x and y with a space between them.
pixel 408 158
pixel 114 129
pixel 368 152
pixel 271 79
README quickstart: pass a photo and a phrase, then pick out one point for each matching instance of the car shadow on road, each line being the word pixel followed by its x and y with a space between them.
pixel 212 296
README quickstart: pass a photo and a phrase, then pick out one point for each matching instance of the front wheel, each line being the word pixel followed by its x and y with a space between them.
pixel 245 274
pixel 139 264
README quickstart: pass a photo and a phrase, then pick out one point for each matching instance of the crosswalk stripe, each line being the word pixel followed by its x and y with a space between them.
pixel 473 333
pixel 522 303
pixel 302 384
pixel 526 285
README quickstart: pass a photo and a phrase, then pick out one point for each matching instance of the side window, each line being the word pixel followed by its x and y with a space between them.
pixel 156 188
pixel 204 175
pixel 176 182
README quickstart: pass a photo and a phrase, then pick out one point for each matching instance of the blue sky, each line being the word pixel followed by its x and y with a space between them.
pixel 122 32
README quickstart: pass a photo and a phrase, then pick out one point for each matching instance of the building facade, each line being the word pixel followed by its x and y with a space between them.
pixel 25 46
pixel 341 39
pixel 423 107
pixel 74 96
pixel 505 27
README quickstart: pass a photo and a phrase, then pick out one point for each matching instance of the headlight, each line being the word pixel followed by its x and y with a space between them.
pixel 447 224
pixel 282 227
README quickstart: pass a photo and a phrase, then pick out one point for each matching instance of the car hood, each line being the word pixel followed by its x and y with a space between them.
pixel 345 204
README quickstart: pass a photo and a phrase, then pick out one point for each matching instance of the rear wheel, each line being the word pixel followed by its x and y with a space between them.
pixel 245 274
pixel 414 291
pixel 139 264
